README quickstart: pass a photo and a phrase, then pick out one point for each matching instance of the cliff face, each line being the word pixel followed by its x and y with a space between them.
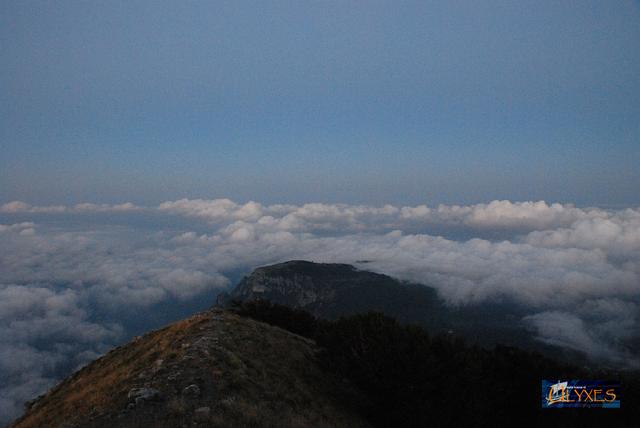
pixel 214 369
pixel 329 290
pixel 311 286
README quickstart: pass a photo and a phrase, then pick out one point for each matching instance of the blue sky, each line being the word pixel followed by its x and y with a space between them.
pixel 356 102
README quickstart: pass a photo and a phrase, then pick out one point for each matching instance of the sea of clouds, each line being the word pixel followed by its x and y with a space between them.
pixel 76 280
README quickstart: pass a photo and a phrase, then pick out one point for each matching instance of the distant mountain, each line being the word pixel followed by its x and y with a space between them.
pixel 215 369
pixel 332 290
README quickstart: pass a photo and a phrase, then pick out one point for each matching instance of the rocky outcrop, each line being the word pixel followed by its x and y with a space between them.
pixel 297 283
pixel 332 290
pixel 138 396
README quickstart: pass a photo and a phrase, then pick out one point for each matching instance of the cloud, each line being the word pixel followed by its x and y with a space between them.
pixel 53 283
pixel 617 235
pixel 340 217
pixel 568 330
pixel 525 216
pixel 21 227
pixel 43 332
pixel 65 285
pixel 18 207
pixel 87 207
pixel 217 210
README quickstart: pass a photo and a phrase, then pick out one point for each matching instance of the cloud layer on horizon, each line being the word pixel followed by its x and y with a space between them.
pixel 576 269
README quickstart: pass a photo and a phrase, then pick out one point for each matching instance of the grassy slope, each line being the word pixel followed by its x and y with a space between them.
pixel 250 374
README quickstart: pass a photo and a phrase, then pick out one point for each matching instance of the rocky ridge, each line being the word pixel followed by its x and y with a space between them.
pixel 213 369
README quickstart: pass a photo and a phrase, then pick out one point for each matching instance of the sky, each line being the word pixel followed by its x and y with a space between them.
pixel 337 102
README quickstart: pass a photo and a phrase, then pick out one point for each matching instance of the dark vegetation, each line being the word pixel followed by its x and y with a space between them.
pixel 414 379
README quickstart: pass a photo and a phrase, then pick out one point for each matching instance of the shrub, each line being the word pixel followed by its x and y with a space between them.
pixel 413 379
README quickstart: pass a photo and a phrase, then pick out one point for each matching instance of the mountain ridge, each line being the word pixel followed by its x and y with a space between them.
pixel 213 369
pixel 300 344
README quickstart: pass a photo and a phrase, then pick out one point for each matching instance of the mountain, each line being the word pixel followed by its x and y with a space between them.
pixel 263 364
pixel 214 369
pixel 332 290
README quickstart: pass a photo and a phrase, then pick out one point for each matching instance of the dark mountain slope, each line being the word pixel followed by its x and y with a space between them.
pixel 413 379
pixel 332 290
pixel 329 290
pixel 214 369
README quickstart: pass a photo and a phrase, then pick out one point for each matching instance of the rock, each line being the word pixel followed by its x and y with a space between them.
pixel 140 395
pixel 223 300
pixel 32 404
pixel 28 405
pixel 158 366
pixel 202 413
pixel 191 391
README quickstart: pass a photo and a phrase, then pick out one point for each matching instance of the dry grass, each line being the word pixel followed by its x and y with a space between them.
pixel 251 375
pixel 103 385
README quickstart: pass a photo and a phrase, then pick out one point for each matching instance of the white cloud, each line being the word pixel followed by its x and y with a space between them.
pixel 20 227
pixel 41 332
pixel 17 207
pixel 22 207
pixel 216 210
pixel 88 207
pixel 344 217
pixel 568 330
pixel 332 217
pixel 617 235
pixel 506 214
pixel 578 270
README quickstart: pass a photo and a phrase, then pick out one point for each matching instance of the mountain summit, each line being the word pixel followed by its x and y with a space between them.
pixel 215 369
pixel 332 290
